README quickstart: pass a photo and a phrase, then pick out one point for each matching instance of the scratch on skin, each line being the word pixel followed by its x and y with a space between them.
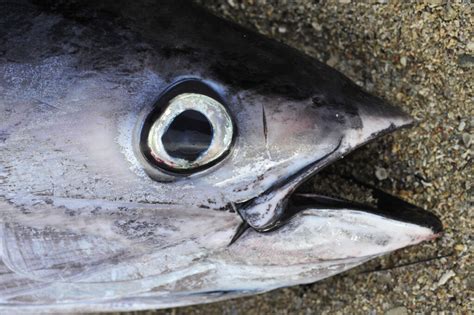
pixel 265 131
pixel 45 105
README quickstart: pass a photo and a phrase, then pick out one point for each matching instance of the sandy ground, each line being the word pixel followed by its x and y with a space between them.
pixel 421 57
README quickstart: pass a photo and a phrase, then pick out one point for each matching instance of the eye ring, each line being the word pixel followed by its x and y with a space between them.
pixel 208 107
pixel 186 96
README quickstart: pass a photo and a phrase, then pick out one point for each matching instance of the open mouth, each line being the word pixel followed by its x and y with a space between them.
pixel 383 204
pixel 289 201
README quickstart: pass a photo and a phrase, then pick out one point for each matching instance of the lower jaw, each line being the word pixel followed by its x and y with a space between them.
pixel 376 202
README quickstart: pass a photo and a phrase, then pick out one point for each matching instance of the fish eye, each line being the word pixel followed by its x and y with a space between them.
pixel 192 131
pixel 188 131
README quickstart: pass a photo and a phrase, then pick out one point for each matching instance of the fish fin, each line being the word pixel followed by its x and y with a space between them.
pixel 13 284
pixel 48 254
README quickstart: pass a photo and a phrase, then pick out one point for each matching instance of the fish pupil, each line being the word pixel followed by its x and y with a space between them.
pixel 188 136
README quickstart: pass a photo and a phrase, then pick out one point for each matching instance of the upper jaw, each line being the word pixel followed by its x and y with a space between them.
pixel 274 207
pixel 266 211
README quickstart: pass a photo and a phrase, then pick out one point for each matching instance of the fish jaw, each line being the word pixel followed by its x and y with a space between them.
pixel 318 243
pixel 322 230
pixel 377 118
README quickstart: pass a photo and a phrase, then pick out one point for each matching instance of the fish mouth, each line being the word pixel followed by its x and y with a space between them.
pixel 385 205
pixel 382 205
pixel 290 202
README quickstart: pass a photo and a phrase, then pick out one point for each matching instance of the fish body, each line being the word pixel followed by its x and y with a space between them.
pixel 150 153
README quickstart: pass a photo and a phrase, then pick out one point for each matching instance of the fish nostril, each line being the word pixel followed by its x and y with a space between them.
pixel 188 136
pixel 318 101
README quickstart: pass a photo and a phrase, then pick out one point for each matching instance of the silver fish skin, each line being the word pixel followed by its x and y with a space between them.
pixel 89 224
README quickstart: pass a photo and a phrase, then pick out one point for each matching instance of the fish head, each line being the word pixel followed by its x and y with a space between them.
pixel 138 139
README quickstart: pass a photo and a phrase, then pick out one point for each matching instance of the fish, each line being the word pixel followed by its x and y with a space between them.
pixel 150 155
